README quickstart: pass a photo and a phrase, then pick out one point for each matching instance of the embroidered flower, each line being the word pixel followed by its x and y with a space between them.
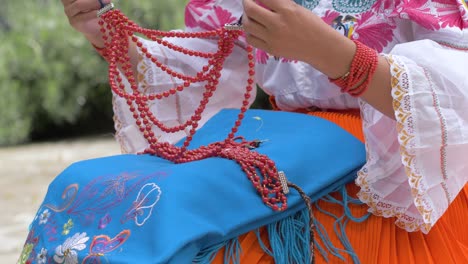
pixel 195 9
pixel 450 13
pixel 67 252
pixel 42 256
pixel 44 217
pixel 217 18
pixel 142 207
pixel 419 11
pixel 375 32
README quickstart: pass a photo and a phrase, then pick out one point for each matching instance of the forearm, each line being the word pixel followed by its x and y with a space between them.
pixel 333 55
pixel 379 93
pixel 96 40
pixel 98 43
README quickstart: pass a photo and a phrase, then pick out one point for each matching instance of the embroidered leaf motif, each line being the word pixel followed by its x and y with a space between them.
pixel 104 221
pixel 27 249
pixel 67 227
pixel 68 196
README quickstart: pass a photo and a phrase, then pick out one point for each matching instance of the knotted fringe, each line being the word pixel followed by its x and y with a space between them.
pixel 339 226
pixel 290 237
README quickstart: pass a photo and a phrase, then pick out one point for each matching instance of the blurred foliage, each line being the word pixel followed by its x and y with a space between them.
pixel 51 80
pixel 52 83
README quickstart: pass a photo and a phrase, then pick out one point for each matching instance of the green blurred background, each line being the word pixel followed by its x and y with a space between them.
pixel 52 83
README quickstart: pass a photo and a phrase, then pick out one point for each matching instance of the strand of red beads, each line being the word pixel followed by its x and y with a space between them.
pixel 118 31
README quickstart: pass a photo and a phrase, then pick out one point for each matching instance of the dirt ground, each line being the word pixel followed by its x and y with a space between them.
pixel 25 172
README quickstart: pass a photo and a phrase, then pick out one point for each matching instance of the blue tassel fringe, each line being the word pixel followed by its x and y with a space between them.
pixel 290 237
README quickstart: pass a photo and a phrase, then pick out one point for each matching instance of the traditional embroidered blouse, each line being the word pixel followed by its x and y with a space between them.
pixel 416 165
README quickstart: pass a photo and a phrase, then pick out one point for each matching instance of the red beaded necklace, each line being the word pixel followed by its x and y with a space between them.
pixel 118 31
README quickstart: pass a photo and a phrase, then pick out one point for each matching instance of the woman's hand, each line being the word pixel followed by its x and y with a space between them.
pixel 279 27
pixel 82 15
pixel 288 30
pixel 285 29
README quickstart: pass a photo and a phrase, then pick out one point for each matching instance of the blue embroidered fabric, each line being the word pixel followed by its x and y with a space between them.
pixel 144 209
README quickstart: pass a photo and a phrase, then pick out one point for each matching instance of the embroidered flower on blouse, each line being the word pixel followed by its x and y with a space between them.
pixel 67 252
pixel 42 256
pixel 44 217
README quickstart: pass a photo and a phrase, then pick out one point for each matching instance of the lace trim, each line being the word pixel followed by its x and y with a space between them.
pixel 461 47
pixel 118 126
pixel 443 133
pixel 406 137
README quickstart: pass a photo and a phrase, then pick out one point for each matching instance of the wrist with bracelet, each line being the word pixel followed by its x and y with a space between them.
pixel 363 66
pixel 102 51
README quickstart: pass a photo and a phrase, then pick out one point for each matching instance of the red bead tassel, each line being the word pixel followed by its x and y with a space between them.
pixel 364 64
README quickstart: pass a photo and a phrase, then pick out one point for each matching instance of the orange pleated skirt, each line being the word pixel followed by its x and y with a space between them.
pixel 378 240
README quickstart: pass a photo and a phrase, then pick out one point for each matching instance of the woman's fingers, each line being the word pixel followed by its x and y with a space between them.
pixel 84 17
pixel 273 5
pixel 258 13
pixel 75 7
pixel 254 28
pixel 257 42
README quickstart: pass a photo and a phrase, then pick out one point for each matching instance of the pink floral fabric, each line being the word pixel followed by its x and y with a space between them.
pixel 207 15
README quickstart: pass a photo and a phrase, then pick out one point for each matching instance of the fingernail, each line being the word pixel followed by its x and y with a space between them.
pixel 104 2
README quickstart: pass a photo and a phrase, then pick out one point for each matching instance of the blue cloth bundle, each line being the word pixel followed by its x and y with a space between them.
pixel 144 209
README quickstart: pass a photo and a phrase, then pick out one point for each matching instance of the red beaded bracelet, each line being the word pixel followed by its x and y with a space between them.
pixel 364 64
pixel 101 51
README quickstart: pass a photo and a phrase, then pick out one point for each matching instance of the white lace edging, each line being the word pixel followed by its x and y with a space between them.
pixel 378 205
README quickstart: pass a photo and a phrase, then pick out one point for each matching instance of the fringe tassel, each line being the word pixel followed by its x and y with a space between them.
pixel 290 237
pixel 232 252
pixel 339 226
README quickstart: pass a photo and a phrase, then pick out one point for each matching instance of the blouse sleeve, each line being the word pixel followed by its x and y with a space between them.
pixel 417 164
pixel 176 109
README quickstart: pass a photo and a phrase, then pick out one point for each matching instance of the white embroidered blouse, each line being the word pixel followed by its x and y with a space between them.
pixel 416 165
